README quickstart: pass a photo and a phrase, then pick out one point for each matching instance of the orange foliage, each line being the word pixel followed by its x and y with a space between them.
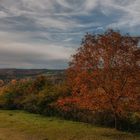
pixel 104 74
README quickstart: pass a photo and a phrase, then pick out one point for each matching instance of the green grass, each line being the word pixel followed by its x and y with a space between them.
pixel 20 125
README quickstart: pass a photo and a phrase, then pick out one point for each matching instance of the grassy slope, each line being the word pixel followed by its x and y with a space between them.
pixel 19 125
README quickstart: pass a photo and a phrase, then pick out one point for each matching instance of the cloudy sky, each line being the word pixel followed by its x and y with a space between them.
pixel 44 33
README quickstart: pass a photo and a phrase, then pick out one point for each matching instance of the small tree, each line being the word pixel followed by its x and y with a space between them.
pixel 104 73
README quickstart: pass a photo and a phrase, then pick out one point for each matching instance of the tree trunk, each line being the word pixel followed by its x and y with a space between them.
pixel 116 119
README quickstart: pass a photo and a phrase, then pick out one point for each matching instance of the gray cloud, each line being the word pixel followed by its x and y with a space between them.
pixel 44 33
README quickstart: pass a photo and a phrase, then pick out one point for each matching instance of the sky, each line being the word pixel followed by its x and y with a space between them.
pixel 45 33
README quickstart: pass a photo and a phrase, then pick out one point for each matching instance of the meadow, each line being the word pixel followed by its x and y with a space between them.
pixel 20 125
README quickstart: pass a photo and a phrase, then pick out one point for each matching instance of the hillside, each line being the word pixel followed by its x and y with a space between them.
pixel 8 74
pixel 19 125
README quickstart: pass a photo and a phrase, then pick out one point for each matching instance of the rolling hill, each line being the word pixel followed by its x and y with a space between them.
pixel 8 74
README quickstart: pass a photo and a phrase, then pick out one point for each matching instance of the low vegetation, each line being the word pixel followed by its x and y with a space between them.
pixel 19 125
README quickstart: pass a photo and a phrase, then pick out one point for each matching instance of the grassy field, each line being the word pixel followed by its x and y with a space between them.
pixel 19 125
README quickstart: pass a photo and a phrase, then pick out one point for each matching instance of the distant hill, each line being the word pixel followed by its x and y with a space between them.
pixel 8 74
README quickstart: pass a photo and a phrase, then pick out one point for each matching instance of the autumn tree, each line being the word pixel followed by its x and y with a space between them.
pixel 38 84
pixel 104 74
pixel 1 83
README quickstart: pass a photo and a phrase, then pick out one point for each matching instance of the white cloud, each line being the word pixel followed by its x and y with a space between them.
pixel 47 51
pixel 129 11
pixel 3 14
pixel 90 4
pixel 62 23
pixel 14 53
pixel 50 29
